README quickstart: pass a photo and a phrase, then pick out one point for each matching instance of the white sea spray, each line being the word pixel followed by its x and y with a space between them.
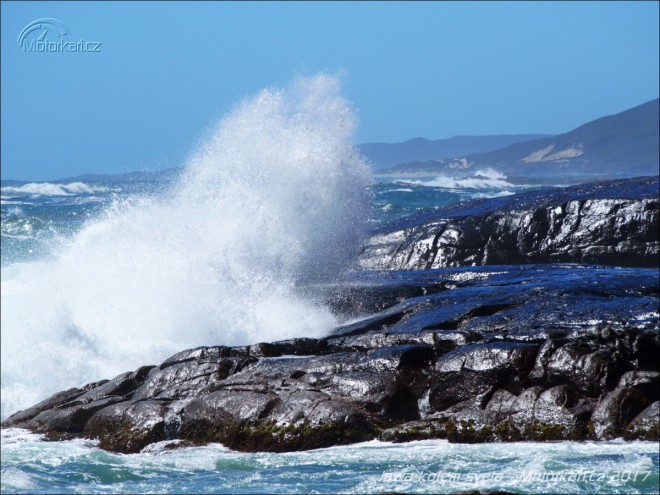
pixel 275 197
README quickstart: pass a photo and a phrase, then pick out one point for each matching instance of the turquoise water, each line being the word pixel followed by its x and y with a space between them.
pixel 30 465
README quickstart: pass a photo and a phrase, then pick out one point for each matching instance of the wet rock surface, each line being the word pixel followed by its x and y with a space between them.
pixel 470 354
pixel 612 222
pixel 482 354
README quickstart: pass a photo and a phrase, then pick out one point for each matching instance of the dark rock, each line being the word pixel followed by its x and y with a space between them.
pixel 199 353
pixel 294 347
pixel 613 223
pixel 244 421
pixel 615 411
pixel 479 368
pixel 23 417
pixel 590 368
pixel 186 378
pixel 634 392
pixel 70 419
pixel 558 413
pixel 646 426
pixel 554 414
pixel 69 411
pixel 502 402
pixel 127 427
pixel 499 354
pixel 645 381
pixel 424 429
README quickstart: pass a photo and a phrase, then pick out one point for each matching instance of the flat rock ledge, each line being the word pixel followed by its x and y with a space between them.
pixel 470 355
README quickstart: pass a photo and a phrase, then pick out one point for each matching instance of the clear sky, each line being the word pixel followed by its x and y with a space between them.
pixel 166 71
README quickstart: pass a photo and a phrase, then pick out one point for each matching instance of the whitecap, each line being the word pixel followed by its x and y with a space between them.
pixel 35 189
pixel 481 179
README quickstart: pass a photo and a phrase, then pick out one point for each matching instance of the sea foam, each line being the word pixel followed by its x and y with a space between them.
pixel 481 179
pixel 275 198
pixel 49 189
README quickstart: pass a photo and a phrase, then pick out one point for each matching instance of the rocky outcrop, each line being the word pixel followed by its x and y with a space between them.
pixel 511 351
pixel 613 223
pixel 472 355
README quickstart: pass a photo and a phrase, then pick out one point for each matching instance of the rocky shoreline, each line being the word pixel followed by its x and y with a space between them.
pixel 502 352
pixel 612 222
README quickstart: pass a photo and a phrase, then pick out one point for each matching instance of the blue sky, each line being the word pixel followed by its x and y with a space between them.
pixel 167 71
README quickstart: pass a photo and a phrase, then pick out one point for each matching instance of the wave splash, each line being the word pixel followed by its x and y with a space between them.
pixel 276 198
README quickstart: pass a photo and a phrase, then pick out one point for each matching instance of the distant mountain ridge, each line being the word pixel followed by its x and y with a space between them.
pixel 384 155
pixel 621 145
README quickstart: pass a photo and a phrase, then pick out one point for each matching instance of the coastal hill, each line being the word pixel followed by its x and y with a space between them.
pixel 621 145
pixel 385 155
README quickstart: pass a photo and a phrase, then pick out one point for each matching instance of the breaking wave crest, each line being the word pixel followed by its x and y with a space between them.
pixel 481 179
pixel 48 189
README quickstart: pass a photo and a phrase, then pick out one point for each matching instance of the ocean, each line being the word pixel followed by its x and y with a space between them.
pixel 431 466
pixel 101 275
